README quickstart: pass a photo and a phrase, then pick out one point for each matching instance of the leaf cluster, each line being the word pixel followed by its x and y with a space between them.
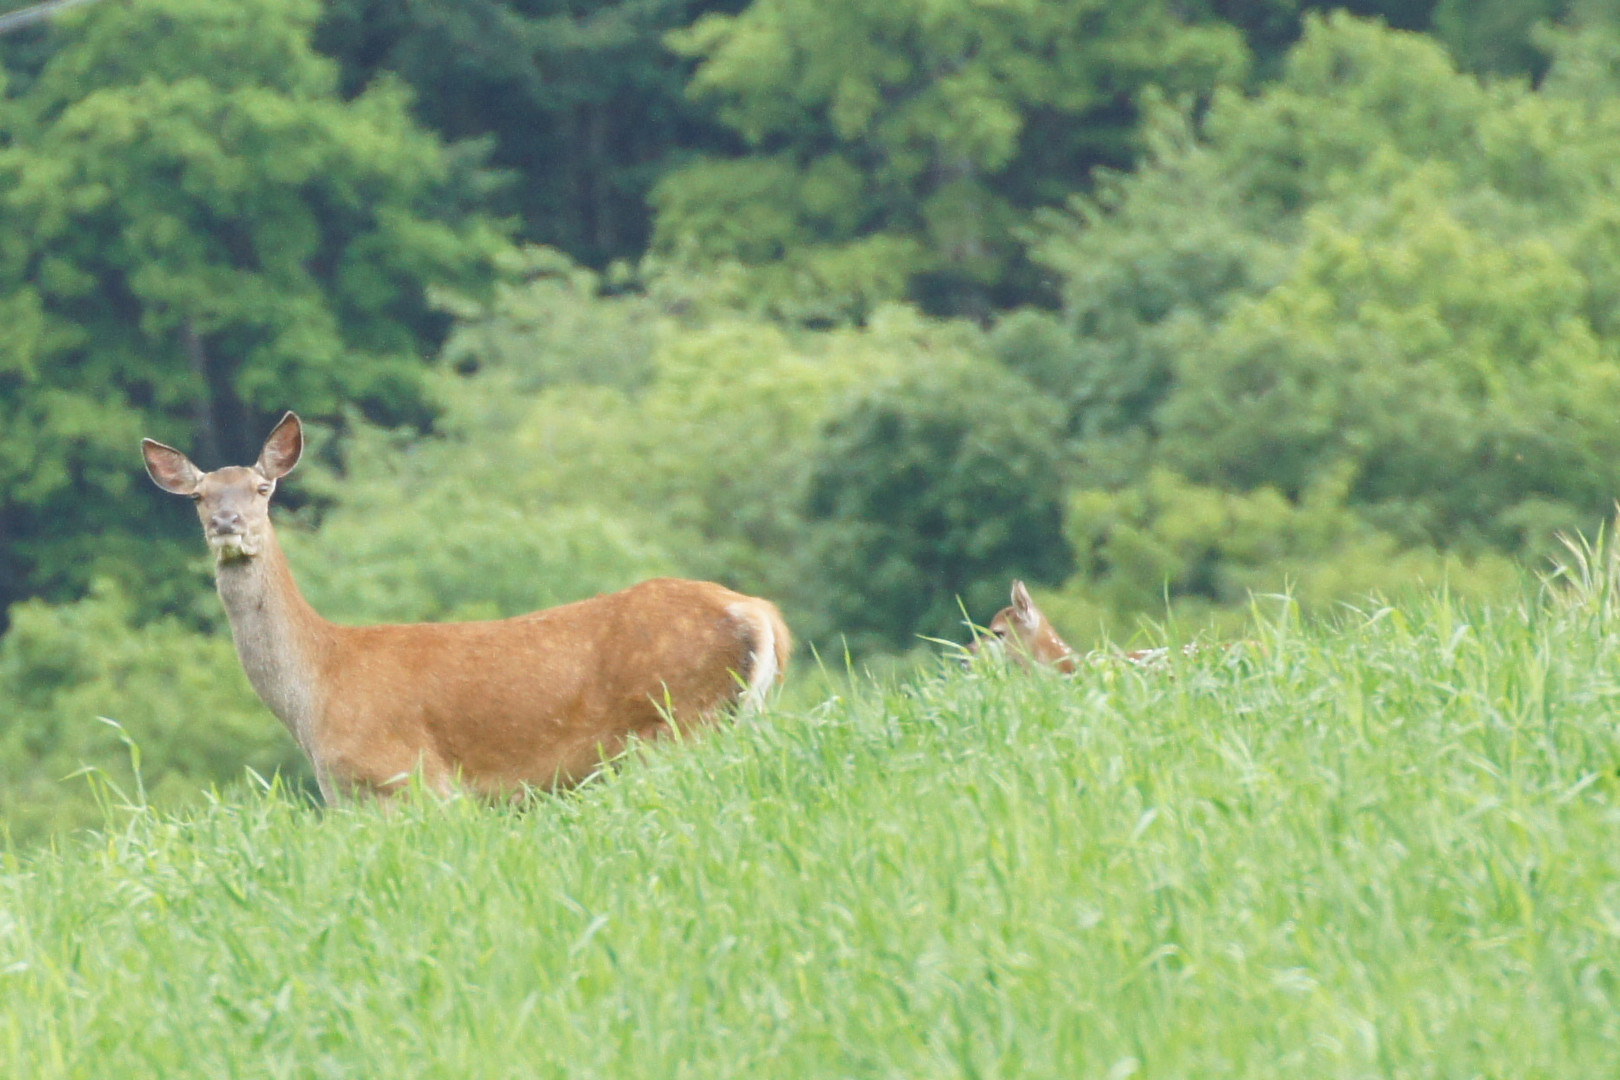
pixel 1373 297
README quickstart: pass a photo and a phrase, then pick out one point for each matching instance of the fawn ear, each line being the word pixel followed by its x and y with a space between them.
pixel 1024 607
pixel 169 468
pixel 282 448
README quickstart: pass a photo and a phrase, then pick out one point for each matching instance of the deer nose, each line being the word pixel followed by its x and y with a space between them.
pixel 225 521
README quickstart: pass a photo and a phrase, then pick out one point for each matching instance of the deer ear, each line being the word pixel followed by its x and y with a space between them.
pixel 169 468
pixel 1024 606
pixel 282 448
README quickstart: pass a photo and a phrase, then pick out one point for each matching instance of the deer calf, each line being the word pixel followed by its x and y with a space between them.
pixel 539 699
pixel 1022 632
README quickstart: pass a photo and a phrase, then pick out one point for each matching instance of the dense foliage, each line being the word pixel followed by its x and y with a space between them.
pixel 578 101
pixel 197 231
pixel 866 308
pixel 1366 311
pixel 897 148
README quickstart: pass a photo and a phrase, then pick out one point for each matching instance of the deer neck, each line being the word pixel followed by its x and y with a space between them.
pixel 279 637
pixel 1053 650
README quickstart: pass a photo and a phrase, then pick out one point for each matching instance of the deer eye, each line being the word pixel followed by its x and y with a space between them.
pixel 265 489
pixel 196 496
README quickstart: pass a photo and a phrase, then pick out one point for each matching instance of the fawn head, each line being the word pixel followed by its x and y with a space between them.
pixel 233 503
pixel 1022 632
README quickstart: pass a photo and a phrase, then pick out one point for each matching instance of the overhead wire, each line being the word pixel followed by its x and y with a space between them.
pixel 16 20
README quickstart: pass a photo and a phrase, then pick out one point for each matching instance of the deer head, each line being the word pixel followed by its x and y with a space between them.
pixel 1022 632
pixel 233 503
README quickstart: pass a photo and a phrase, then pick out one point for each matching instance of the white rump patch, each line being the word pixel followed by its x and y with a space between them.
pixel 762 662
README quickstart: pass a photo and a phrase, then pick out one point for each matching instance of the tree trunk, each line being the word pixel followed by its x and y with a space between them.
pixel 206 433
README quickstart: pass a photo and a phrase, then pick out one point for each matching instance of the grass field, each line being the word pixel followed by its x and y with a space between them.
pixel 1384 847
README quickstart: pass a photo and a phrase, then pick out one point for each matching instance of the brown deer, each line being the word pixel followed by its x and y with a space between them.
pixel 539 699
pixel 1022 633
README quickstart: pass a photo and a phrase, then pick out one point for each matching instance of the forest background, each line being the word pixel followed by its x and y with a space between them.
pixel 867 308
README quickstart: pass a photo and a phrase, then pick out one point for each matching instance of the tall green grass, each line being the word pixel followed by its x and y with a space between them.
pixel 1389 846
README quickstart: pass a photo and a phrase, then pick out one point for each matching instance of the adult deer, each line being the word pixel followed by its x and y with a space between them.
pixel 1022 632
pixel 538 699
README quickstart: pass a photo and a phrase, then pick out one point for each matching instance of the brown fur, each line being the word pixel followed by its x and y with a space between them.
pixel 539 699
pixel 1022 632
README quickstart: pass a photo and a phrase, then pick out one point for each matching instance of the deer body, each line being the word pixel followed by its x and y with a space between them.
pixel 537 699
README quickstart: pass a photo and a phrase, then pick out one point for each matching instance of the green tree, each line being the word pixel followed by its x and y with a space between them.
pixel 898 148
pixel 1379 290
pixel 1498 36
pixel 583 103
pixel 1453 373
pixel 195 231
pixel 927 491
pixel 1146 264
